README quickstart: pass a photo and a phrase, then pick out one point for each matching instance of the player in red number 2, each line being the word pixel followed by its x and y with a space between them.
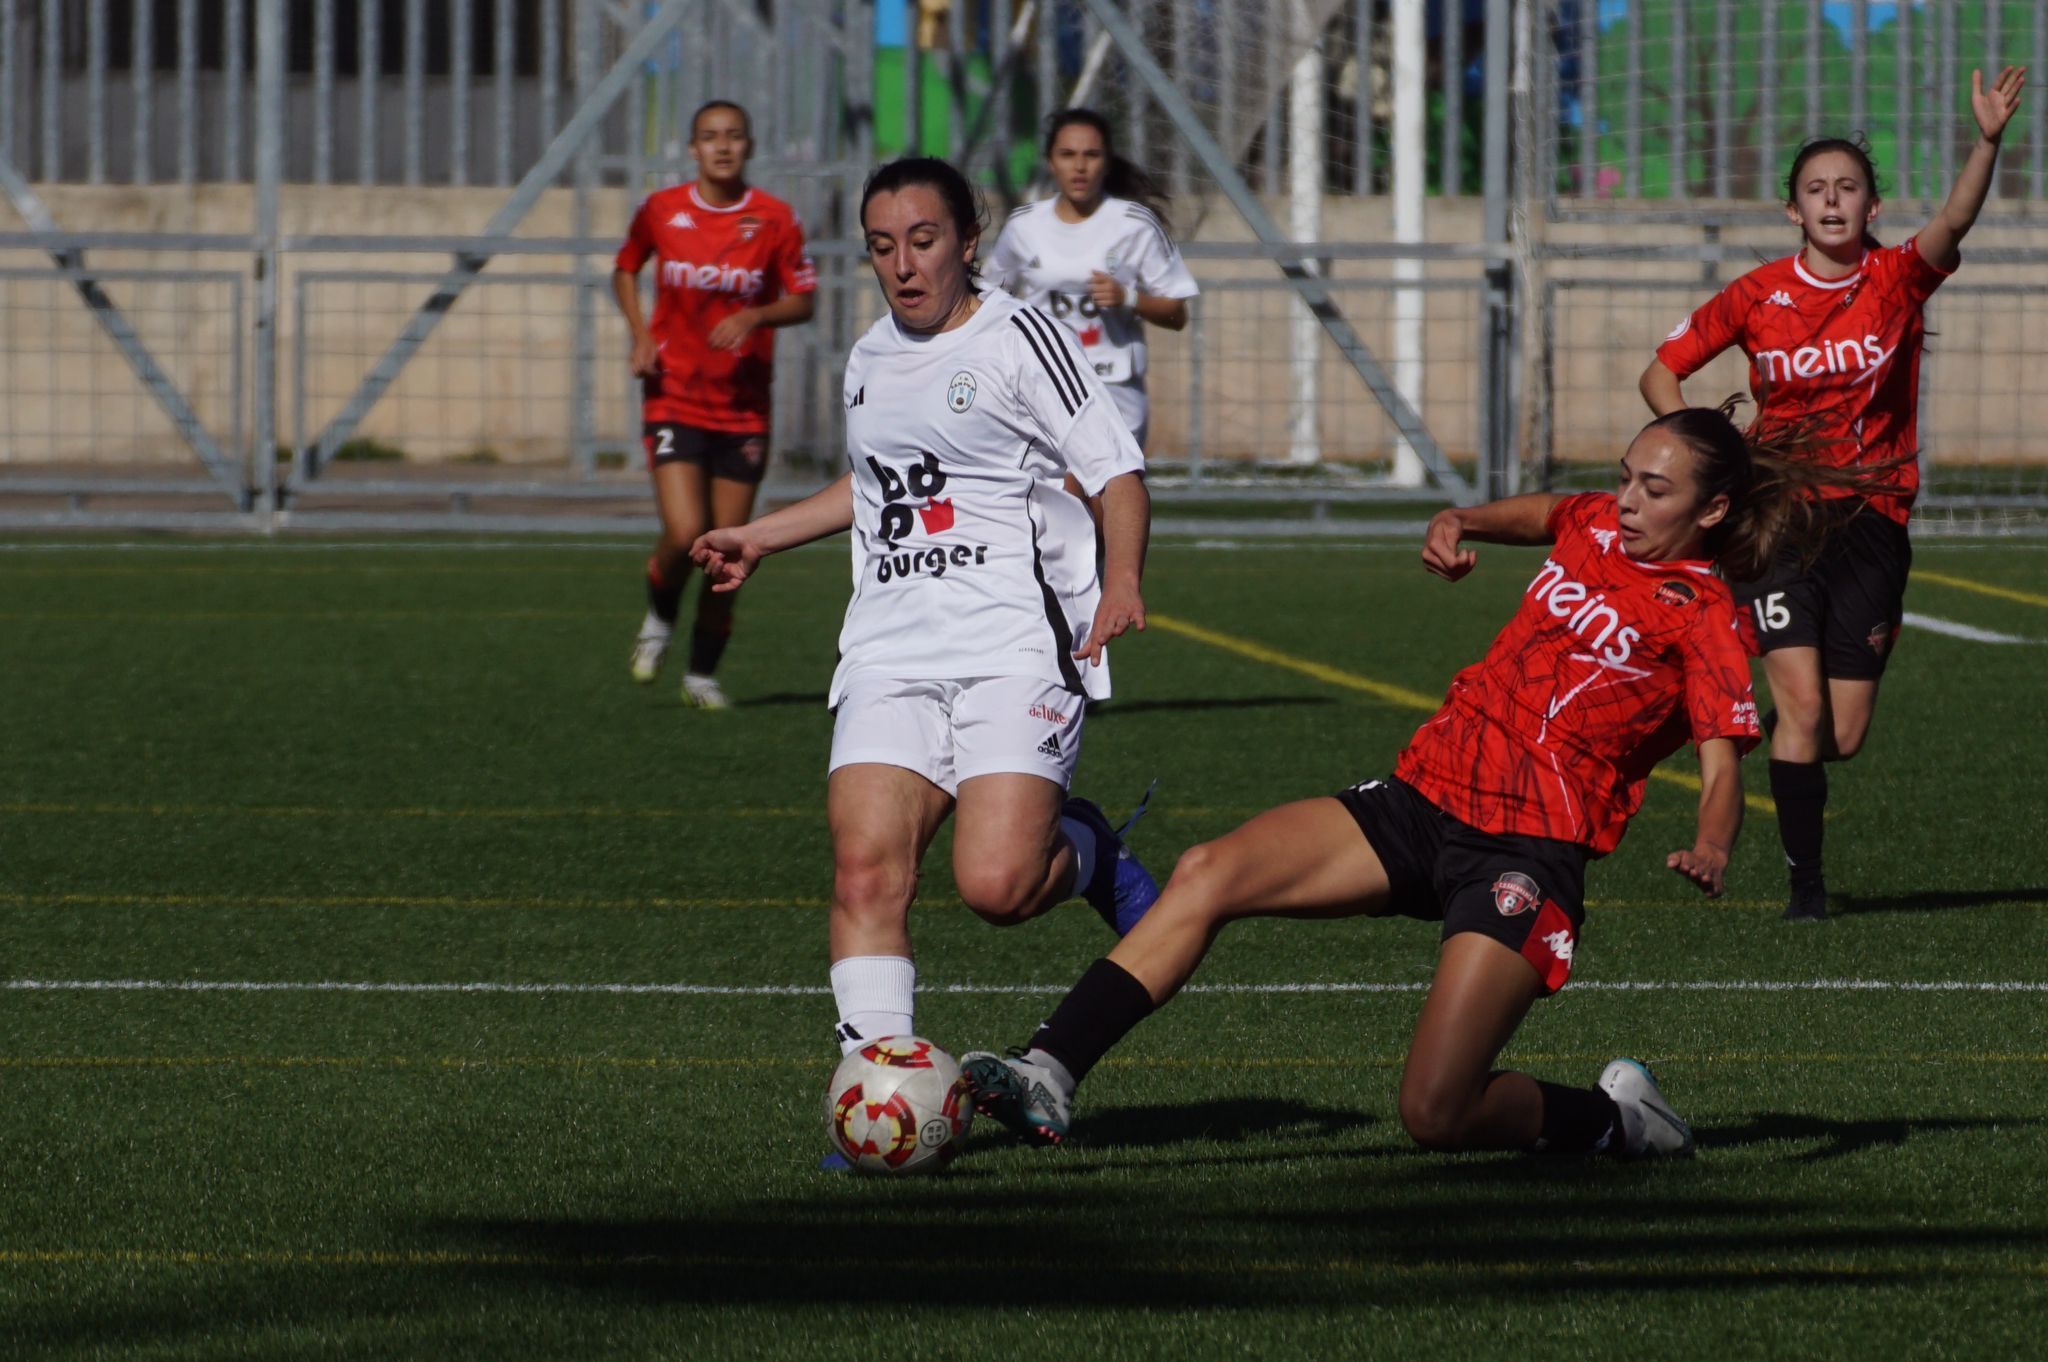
pixel 1623 648
pixel 1833 335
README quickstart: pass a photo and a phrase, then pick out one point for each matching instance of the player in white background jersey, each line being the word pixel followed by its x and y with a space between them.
pixel 1099 256
pixel 975 637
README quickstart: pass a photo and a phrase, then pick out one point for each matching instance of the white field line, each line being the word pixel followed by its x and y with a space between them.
pixel 1970 632
pixel 819 990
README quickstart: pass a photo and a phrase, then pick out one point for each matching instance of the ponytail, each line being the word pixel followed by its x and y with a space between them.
pixel 1771 482
pixel 1126 179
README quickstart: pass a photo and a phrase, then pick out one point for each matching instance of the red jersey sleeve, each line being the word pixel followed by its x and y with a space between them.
pixel 793 268
pixel 1711 328
pixel 1718 700
pixel 1918 277
pixel 639 243
pixel 1574 512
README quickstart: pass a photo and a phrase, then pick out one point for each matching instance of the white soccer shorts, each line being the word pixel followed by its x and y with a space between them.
pixel 950 731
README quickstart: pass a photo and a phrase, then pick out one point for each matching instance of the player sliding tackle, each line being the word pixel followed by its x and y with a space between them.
pixel 1623 647
pixel 978 626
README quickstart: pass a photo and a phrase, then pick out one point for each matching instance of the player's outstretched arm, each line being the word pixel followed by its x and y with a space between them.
pixel 791 309
pixel 1706 865
pixel 1126 529
pixel 730 556
pixel 1659 387
pixel 1941 239
pixel 1511 520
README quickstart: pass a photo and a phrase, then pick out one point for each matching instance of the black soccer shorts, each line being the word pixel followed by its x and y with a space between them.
pixel 1848 601
pixel 720 453
pixel 1528 893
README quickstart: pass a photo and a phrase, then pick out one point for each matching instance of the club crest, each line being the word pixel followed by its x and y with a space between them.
pixel 960 392
pixel 1515 893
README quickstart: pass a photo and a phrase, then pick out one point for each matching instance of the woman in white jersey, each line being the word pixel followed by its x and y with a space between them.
pixel 1099 256
pixel 975 636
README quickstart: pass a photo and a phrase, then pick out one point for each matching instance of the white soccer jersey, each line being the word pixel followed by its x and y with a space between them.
pixel 1046 262
pixel 970 559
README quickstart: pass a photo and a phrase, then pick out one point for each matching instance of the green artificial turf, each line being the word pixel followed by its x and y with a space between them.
pixel 418 763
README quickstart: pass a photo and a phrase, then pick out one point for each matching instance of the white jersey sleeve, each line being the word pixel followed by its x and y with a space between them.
pixel 1061 396
pixel 1160 270
pixel 1006 259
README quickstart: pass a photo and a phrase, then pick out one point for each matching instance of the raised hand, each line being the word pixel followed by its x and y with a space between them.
pixel 1995 107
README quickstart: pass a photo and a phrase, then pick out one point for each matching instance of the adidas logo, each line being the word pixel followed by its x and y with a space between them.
pixel 682 220
pixel 844 1032
pixel 1051 746
pixel 1781 299
pixel 1034 264
pixel 858 398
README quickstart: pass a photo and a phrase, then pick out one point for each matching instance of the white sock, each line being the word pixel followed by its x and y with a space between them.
pixel 1054 1070
pixel 1082 837
pixel 874 993
pixel 654 626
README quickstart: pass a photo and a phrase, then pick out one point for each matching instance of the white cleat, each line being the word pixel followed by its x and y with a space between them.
pixel 648 651
pixel 1648 1124
pixel 702 692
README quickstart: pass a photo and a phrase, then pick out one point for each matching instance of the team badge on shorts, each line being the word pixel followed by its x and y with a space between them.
pixel 1515 893
pixel 960 392
pixel 752 449
pixel 1676 593
pixel 1880 639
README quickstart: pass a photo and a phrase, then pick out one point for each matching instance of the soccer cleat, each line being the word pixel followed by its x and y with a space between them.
pixel 1809 903
pixel 1018 1093
pixel 1648 1124
pixel 648 651
pixel 834 1162
pixel 1121 888
pixel 702 692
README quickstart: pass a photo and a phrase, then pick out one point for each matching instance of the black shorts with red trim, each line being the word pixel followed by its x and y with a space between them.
pixel 1528 893
pixel 720 453
pixel 1848 601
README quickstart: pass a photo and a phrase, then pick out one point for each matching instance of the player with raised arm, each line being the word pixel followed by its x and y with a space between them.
pixel 730 268
pixel 976 635
pixel 1834 334
pixel 1623 648
pixel 1099 256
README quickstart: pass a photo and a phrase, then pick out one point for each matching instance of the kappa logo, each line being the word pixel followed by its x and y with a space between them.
pixel 1560 943
pixel 1676 593
pixel 1515 893
pixel 1051 746
pixel 682 220
pixel 960 392
pixel 1781 299
pixel 1606 538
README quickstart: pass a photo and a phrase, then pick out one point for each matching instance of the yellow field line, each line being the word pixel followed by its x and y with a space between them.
pixel 2004 593
pixel 459 1063
pixel 1392 694
pixel 1678 1267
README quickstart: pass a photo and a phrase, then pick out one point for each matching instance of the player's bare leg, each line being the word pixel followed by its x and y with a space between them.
pixel 1301 860
pixel 731 503
pixel 1804 738
pixel 1450 1096
pixel 883 819
pixel 683 501
pixel 1009 859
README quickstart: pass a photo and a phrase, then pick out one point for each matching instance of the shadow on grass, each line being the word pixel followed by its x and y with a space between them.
pixel 1117 708
pixel 1935 900
pixel 808 699
pixel 1840 1138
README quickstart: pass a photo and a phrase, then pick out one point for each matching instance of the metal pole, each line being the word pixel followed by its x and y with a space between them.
pixel 96 92
pixel 1269 162
pixel 956 72
pixel 53 75
pixel 9 39
pixel 1724 99
pixel 1138 145
pixel 583 369
pixel 142 79
pixel 460 65
pixel 550 66
pixel 1859 65
pixel 1049 60
pixel 2037 115
pixel 1902 94
pixel 501 63
pixel 235 69
pixel 188 91
pixel 323 92
pixel 1677 93
pixel 1494 355
pixel 1305 219
pixel 1362 16
pixel 1409 57
pixel 1454 98
pixel 415 89
pixel 1812 79
pixel 1589 92
pixel 1198 389
pixel 913 82
pixel 1993 13
pixel 1307 283
pixel 369 85
pixel 270 57
pixel 1768 86
pixel 1632 105
pixel 1945 97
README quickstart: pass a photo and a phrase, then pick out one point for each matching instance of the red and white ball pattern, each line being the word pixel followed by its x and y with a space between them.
pixel 898 1105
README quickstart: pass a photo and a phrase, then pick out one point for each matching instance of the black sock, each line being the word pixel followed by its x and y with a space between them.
pixel 1096 1014
pixel 1578 1121
pixel 706 647
pixel 664 598
pixel 1801 791
pixel 1770 723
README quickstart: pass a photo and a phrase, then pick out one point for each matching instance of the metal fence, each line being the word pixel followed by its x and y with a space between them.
pixel 430 192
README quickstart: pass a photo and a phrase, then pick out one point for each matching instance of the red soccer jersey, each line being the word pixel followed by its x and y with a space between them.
pixel 710 263
pixel 1840 354
pixel 1605 670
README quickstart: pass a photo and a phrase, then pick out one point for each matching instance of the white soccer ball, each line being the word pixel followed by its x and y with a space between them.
pixel 898 1105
